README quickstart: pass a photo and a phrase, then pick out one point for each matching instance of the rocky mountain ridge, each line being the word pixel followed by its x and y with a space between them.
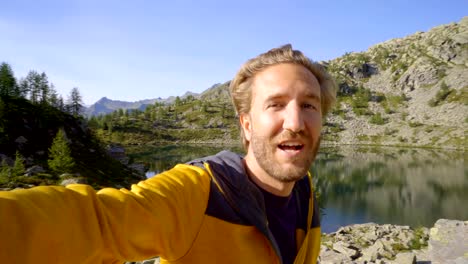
pixel 410 91
pixel 106 105
pixel 417 87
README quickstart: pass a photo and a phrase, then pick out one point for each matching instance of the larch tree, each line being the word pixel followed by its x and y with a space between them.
pixel 75 102
pixel 18 166
pixel 60 159
pixel 8 84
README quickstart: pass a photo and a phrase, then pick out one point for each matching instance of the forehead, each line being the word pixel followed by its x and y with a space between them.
pixel 285 79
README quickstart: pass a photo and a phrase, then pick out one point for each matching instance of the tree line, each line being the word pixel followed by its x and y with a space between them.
pixel 60 161
pixel 36 88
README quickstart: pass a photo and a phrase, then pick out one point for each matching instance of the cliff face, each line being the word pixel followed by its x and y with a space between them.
pixel 408 91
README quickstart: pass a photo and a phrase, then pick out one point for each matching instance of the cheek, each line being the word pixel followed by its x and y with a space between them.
pixel 268 124
pixel 315 123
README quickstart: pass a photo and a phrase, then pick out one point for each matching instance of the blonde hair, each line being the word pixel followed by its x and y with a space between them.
pixel 240 87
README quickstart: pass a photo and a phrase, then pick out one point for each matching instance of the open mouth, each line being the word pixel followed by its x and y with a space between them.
pixel 291 146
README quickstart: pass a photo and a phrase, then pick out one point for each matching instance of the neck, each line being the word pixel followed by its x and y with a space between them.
pixel 265 181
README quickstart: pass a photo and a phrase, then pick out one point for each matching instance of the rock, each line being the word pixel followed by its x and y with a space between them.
pixel 139 167
pixel 345 249
pixel 6 159
pixel 448 242
pixel 373 252
pixel 69 175
pixel 74 181
pixel 118 153
pixel 36 169
pixel 331 257
pixel 405 258
pixel 21 140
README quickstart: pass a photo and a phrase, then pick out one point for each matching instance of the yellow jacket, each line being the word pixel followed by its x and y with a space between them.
pixel 203 212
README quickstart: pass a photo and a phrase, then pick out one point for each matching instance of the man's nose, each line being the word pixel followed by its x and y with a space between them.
pixel 293 119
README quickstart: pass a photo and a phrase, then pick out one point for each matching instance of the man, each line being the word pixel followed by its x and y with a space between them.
pixel 220 209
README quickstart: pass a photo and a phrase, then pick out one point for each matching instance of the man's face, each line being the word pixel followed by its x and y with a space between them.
pixel 284 123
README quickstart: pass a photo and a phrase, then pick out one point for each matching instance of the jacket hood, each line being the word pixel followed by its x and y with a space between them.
pixel 229 172
pixel 243 196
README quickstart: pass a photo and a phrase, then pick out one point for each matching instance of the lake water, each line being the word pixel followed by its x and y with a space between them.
pixel 401 186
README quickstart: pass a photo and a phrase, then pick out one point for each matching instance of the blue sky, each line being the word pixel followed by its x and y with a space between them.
pixel 134 50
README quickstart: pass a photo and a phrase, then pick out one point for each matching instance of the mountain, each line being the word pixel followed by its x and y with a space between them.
pixel 106 105
pixel 410 91
pixel 218 91
pixel 405 91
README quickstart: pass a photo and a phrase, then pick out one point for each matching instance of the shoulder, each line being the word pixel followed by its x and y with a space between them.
pixel 182 177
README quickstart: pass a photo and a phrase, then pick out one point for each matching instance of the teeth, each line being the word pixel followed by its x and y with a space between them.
pixel 291 145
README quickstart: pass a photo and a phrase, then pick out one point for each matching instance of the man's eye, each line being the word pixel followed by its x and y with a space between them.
pixel 309 106
pixel 274 105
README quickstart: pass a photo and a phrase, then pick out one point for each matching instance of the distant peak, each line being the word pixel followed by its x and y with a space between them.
pixel 103 99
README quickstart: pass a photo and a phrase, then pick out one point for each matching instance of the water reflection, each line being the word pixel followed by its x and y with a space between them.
pixel 161 158
pixel 383 185
pixel 389 185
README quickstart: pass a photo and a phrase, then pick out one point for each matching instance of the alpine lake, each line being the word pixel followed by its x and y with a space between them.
pixel 361 184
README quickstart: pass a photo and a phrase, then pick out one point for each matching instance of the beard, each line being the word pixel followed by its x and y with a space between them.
pixel 291 170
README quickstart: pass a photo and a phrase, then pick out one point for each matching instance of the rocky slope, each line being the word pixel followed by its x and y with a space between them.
pixel 407 91
pixel 411 91
pixel 444 243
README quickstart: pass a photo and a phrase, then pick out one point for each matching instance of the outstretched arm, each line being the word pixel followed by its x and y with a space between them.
pixel 157 217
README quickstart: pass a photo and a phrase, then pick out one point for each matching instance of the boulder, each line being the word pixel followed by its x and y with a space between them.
pixel 139 167
pixel 21 140
pixel 74 181
pixel 330 257
pixel 36 169
pixel 6 159
pixel 448 242
pixel 345 249
pixel 405 258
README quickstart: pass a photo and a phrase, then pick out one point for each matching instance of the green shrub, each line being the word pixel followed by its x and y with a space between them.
pixel 404 115
pixel 415 124
pixel 390 132
pixel 377 119
pixel 441 95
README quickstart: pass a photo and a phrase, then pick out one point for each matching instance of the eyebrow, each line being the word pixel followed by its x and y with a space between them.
pixel 312 96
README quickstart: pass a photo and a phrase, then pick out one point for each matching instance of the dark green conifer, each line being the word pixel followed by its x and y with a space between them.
pixel 60 159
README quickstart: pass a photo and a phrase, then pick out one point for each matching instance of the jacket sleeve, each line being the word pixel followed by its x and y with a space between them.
pixel 74 224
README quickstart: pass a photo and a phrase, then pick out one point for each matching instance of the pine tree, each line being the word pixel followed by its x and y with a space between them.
pixel 44 88
pixel 18 167
pixel 33 85
pixel 53 97
pixel 5 172
pixel 75 102
pixel 23 88
pixel 8 84
pixel 60 160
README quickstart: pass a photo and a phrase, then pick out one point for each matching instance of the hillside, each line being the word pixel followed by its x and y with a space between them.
pixel 30 129
pixel 408 91
pixel 411 91
pixel 106 105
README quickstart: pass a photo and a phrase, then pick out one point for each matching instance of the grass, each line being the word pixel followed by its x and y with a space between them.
pixel 420 239
pixel 377 119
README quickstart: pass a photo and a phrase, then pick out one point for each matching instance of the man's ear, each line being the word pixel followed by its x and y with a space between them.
pixel 246 125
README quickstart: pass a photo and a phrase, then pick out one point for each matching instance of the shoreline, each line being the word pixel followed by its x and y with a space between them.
pixel 324 144
pixel 391 244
